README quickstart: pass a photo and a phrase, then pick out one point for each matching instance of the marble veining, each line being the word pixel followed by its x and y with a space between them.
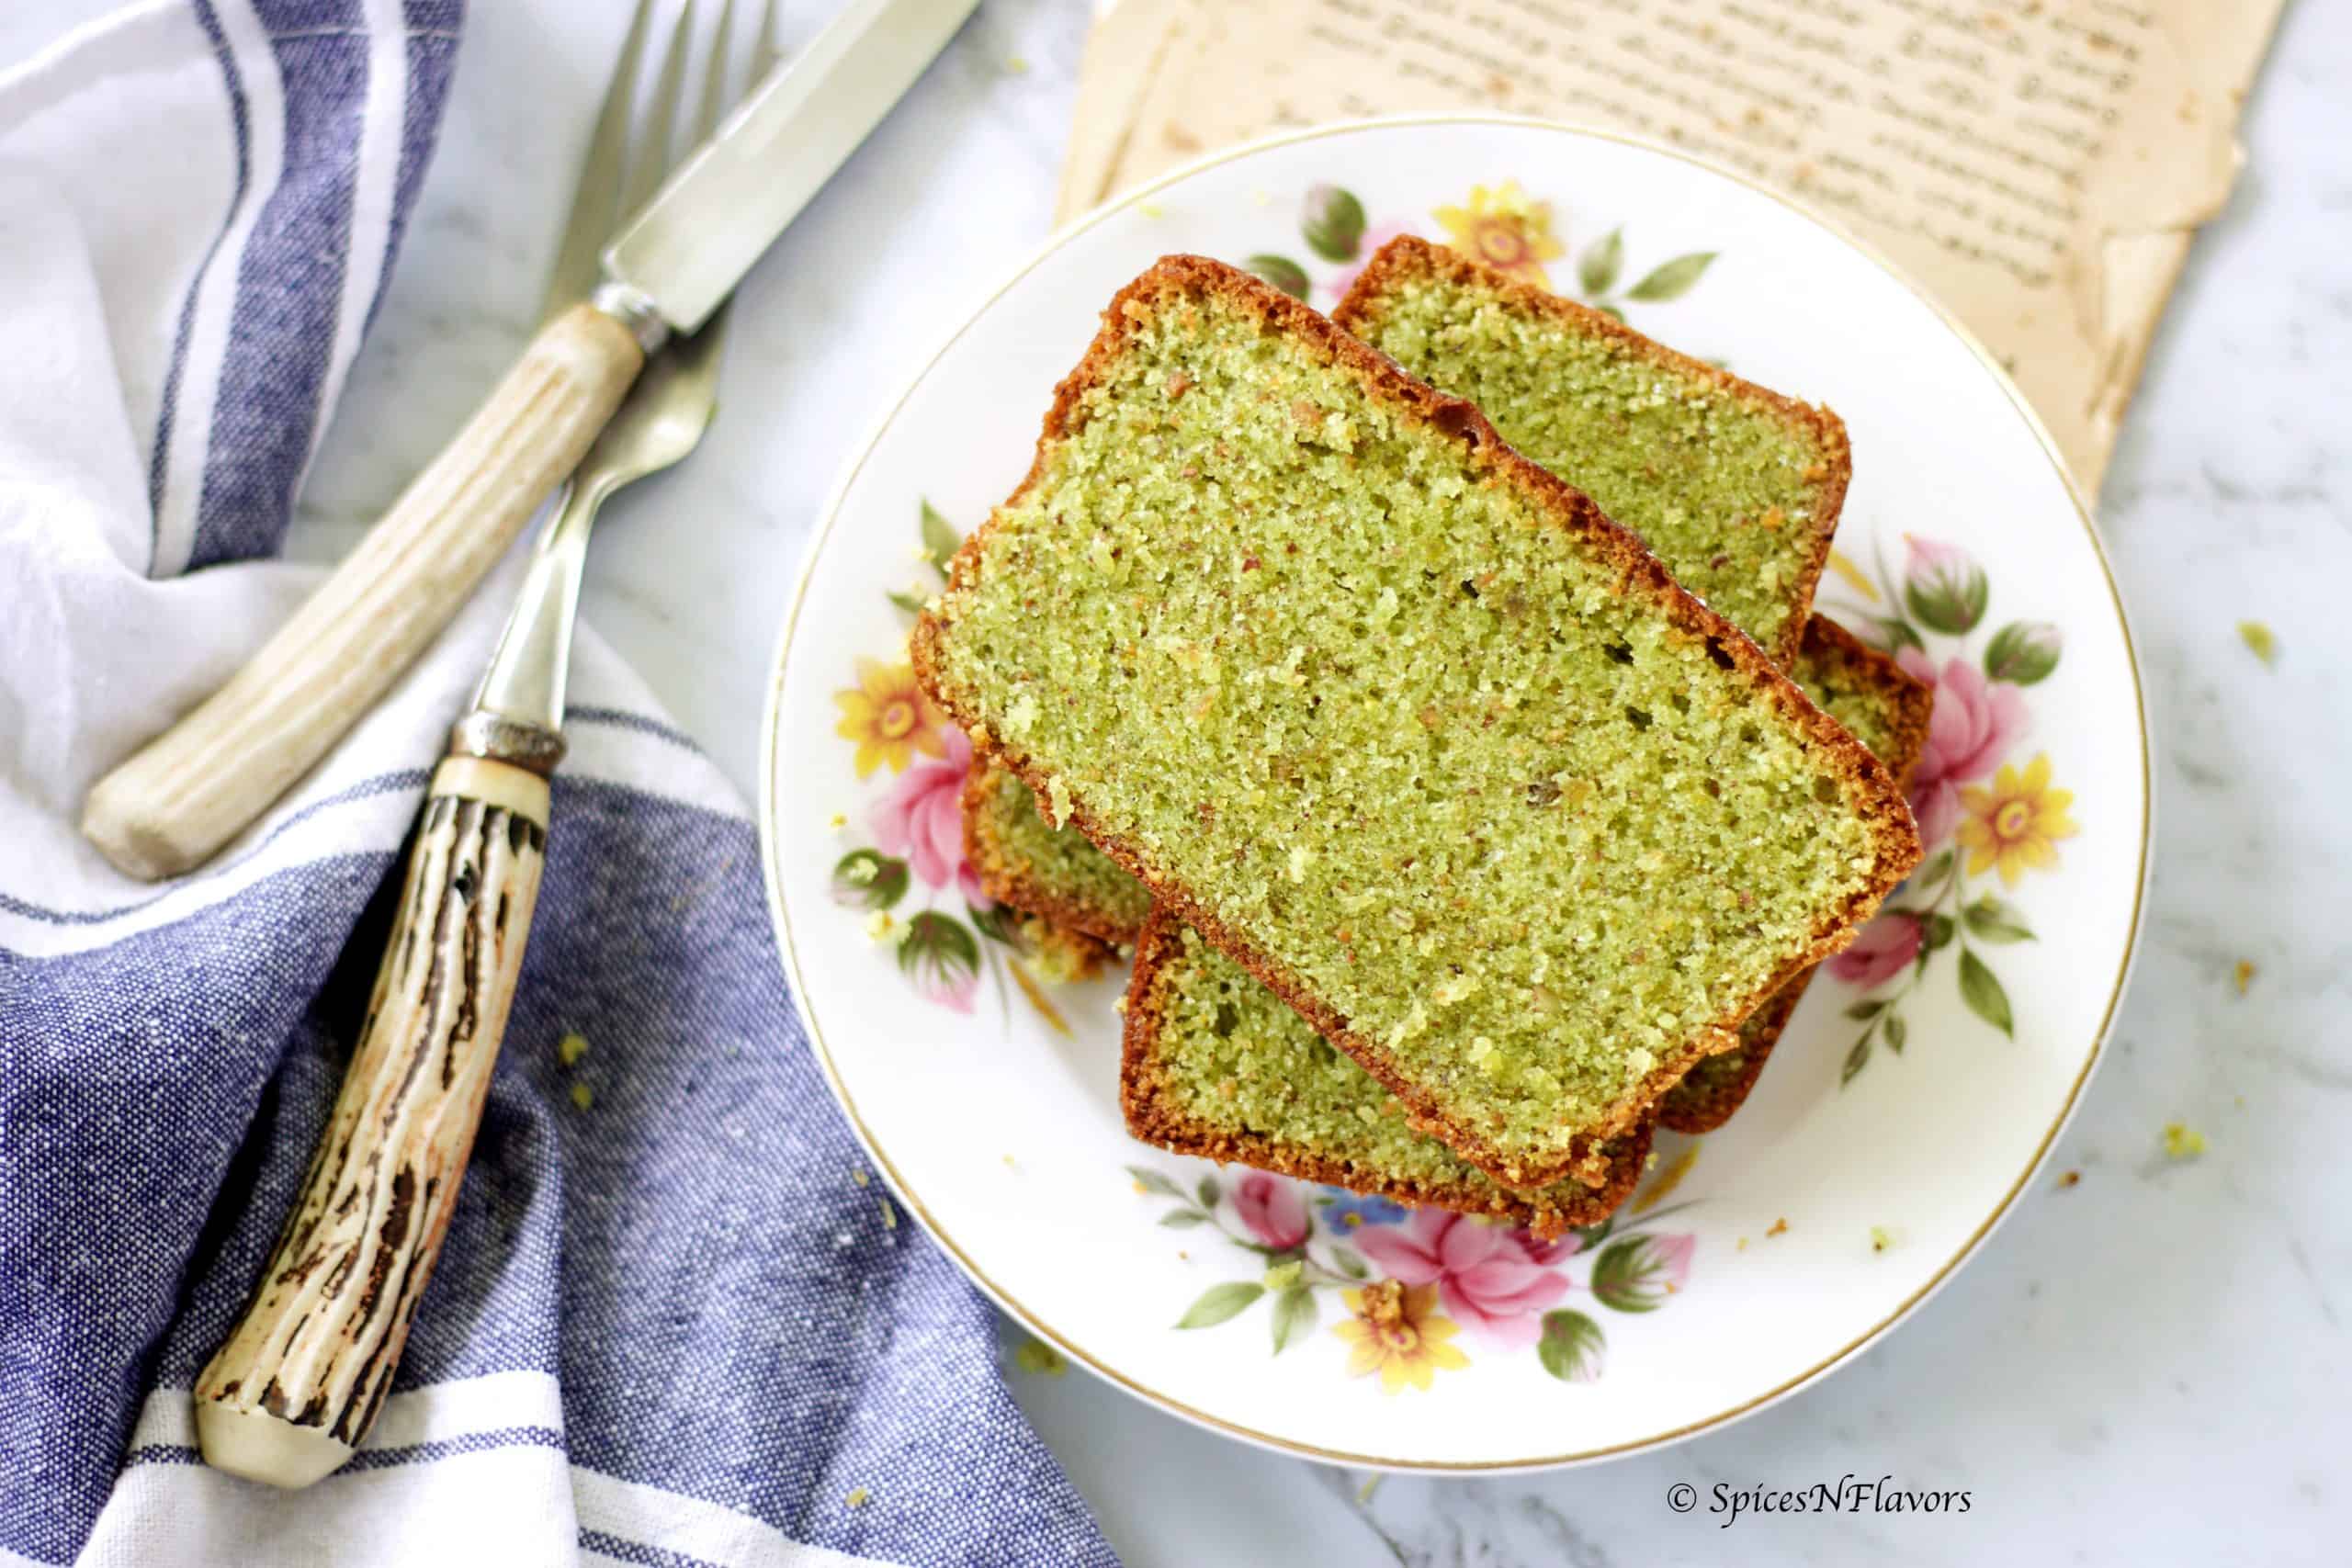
pixel 2147 1366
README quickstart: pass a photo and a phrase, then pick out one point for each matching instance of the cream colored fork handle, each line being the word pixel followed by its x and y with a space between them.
pixel 299 1381
pixel 199 783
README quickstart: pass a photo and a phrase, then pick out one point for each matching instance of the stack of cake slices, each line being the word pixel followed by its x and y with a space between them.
pixel 1429 697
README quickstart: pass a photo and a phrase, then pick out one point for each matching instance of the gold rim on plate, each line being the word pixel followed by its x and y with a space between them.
pixel 782 919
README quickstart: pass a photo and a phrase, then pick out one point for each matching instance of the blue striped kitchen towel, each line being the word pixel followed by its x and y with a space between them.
pixel 668 1328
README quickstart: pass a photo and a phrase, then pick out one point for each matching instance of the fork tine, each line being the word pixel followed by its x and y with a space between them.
pixel 652 165
pixel 714 78
pixel 593 199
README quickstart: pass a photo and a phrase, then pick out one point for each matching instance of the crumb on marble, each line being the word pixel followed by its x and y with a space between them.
pixel 1016 65
pixel 1881 1238
pixel 1779 1227
pixel 1371 1485
pixel 2243 974
pixel 2070 1178
pixel 2258 637
pixel 1150 210
pixel 2182 1141
pixel 837 821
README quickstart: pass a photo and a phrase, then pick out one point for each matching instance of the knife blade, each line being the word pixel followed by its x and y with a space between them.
pixel 727 203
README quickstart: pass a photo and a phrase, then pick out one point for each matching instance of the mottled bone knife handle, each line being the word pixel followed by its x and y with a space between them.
pixel 202 782
pixel 300 1378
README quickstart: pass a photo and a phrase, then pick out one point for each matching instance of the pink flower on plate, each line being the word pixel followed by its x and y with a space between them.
pixel 1272 1209
pixel 1972 725
pixel 922 819
pixel 1487 1276
pixel 1879 954
pixel 1374 237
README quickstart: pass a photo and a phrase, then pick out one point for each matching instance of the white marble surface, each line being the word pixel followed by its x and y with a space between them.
pixel 2148 1366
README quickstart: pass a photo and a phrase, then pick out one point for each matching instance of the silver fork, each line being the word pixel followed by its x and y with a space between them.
pixel 297 1383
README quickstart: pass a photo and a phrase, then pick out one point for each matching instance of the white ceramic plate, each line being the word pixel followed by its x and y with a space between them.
pixel 1857 1178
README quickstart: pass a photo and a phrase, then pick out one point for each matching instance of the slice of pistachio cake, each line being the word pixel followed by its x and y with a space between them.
pixel 1052 873
pixel 1736 487
pixel 1214 1065
pixel 1885 708
pixel 1403 723
pixel 1568 385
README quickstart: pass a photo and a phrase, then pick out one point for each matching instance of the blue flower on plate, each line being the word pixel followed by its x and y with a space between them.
pixel 1353 1211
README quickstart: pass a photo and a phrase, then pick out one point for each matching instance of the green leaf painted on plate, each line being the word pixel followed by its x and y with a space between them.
pixel 1855 1059
pixel 938 951
pixel 998 924
pixel 1899 634
pixel 1897 1032
pixel 1295 1316
pixel 1219 1302
pixel 1208 1192
pixel 940 539
pixel 1636 1273
pixel 1348 1263
pixel 1983 995
pixel 1572 1345
pixel 1946 589
pixel 2022 652
pixel 1603 259
pixel 1332 223
pixel 1151 1180
pixel 1182 1219
pixel 1937 933
pixel 1281 272
pixel 1993 920
pixel 1866 1009
pixel 868 879
pixel 1672 280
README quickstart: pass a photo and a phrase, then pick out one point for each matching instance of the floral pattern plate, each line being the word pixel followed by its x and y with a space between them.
pixel 1907 1106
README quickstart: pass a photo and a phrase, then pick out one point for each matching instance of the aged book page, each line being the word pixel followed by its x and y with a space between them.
pixel 2038 165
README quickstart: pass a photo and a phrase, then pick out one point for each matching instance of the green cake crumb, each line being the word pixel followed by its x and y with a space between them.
pixel 570 1048
pixel 2258 637
pixel 1543 823
pixel 2182 1141
pixel 1037 1355
pixel 1726 489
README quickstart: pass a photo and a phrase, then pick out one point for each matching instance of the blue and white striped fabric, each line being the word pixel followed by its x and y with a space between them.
pixel 669 1327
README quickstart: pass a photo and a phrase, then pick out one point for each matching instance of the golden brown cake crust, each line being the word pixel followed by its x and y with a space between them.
pixel 1409 255
pixel 1177 279
pixel 1154 1115
pixel 1008 878
pixel 1704 1101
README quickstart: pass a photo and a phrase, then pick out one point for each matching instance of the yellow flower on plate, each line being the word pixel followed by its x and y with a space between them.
pixel 1396 1332
pixel 2017 823
pixel 1502 228
pixel 889 717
